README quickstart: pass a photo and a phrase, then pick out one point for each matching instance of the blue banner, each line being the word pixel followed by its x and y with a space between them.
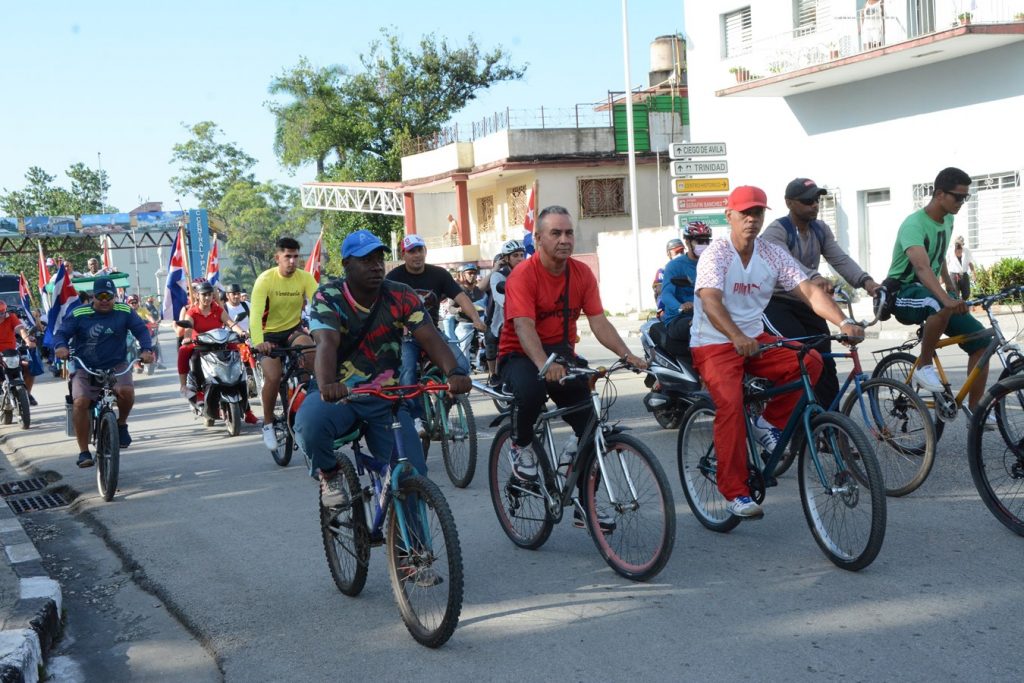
pixel 198 241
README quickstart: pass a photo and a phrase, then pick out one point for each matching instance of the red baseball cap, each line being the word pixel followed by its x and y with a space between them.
pixel 746 197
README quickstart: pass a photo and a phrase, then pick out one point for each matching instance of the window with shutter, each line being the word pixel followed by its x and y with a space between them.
pixel 737 30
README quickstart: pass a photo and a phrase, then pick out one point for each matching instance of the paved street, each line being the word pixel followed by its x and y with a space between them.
pixel 230 543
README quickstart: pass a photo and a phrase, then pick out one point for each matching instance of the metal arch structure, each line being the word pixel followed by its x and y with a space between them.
pixel 24 244
pixel 357 198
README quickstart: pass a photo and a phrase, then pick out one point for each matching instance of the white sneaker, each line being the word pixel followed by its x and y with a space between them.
pixel 744 506
pixel 927 377
pixel 269 437
pixel 421 428
pixel 524 463
pixel 766 434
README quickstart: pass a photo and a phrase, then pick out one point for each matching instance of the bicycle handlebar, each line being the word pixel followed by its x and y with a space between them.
pixel 289 350
pixel 573 371
pixel 100 373
pixel 801 343
pixel 987 301
pixel 398 393
pixel 842 298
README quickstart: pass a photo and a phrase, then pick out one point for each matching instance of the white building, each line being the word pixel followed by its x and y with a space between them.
pixel 870 101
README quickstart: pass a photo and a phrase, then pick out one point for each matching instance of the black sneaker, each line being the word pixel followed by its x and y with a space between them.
pixel 606 523
pixel 85 459
pixel 123 437
pixel 524 463
pixel 32 400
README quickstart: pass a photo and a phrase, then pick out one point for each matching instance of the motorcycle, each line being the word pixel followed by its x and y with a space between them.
pixel 217 371
pixel 15 394
pixel 673 383
pixel 470 340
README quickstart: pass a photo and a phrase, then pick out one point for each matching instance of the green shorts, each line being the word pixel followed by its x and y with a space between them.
pixel 915 302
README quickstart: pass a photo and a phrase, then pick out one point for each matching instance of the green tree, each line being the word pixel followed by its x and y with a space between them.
pixel 41 197
pixel 208 168
pixel 255 216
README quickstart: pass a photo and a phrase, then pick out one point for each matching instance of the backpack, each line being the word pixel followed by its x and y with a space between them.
pixel 817 227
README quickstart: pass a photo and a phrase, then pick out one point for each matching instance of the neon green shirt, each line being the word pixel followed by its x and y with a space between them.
pixel 281 299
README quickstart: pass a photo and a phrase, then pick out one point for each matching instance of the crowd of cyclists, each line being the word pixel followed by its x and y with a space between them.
pixel 719 300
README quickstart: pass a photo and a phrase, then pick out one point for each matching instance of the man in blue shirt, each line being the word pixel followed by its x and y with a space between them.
pixel 677 287
pixel 99 334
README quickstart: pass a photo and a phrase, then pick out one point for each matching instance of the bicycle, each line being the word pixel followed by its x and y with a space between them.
pixel 891 415
pixel 840 481
pixel 449 419
pixel 628 504
pixel 998 468
pixel 895 363
pixel 104 434
pixel 14 396
pixel 294 383
pixel 406 512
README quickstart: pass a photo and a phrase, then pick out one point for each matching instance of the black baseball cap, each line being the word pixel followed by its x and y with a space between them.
pixel 234 288
pixel 104 285
pixel 803 188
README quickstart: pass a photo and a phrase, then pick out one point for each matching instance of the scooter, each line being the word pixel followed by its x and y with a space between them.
pixel 14 397
pixel 217 372
pixel 673 383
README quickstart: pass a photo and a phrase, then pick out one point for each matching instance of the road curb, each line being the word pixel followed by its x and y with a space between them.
pixel 34 622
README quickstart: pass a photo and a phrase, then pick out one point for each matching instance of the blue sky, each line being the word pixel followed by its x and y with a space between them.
pixel 119 78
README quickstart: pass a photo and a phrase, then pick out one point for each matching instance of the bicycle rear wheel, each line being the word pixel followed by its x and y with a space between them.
pixel 996 458
pixel 900 428
pixel 1011 430
pixel 24 407
pixel 108 455
pixel 845 505
pixel 285 443
pixel 426 573
pixel 695 454
pixel 520 505
pixel 632 494
pixel 346 542
pixel 458 440
pixel 898 366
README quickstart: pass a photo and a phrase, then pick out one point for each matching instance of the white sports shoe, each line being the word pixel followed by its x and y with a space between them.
pixel 927 377
pixel 269 437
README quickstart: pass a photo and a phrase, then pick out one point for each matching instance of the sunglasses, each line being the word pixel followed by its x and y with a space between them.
pixel 808 202
pixel 104 297
pixel 960 198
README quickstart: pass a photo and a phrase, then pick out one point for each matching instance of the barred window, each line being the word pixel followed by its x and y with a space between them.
pixel 994 211
pixel 922 194
pixel 602 197
pixel 806 14
pixel 737 33
pixel 516 199
pixel 485 213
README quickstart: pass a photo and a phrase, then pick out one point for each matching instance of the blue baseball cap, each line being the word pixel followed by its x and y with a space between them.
pixel 104 285
pixel 361 243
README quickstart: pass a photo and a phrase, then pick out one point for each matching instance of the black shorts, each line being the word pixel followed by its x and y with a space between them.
pixel 284 338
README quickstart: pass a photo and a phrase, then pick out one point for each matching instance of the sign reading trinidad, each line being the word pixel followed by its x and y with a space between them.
pixel 701 203
pixel 709 167
pixel 687 185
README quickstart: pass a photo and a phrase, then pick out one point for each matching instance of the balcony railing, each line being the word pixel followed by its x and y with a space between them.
pixel 839 36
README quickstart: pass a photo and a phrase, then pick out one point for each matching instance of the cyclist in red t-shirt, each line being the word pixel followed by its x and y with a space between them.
pixel 536 305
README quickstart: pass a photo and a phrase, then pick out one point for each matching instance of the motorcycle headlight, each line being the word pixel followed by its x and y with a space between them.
pixel 12 362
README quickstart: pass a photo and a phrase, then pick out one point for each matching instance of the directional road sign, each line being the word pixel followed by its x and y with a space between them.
pixel 708 167
pixel 714 220
pixel 683 150
pixel 685 185
pixel 701 203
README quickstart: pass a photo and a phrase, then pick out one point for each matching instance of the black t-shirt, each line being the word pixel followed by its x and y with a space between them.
pixel 433 285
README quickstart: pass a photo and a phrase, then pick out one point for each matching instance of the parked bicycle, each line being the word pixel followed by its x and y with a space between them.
pixel 897 364
pixel 892 416
pixel 449 419
pixel 14 398
pixel 996 458
pixel 841 487
pixel 627 501
pixel 408 514
pixel 294 384
pixel 103 432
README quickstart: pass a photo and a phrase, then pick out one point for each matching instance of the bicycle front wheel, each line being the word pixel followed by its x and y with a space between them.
pixel 285 442
pixel 996 457
pixel 630 510
pixel 108 455
pixel 842 492
pixel 900 428
pixel 346 542
pixel 458 440
pixel 426 571
pixel 24 407
pixel 695 454
pixel 898 366
pixel 520 505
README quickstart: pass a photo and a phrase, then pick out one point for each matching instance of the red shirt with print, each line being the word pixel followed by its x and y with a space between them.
pixel 532 292
pixel 7 339
pixel 204 323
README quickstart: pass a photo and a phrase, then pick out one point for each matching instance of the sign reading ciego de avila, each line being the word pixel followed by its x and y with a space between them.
pixel 685 185
pixel 683 150
pixel 701 203
pixel 709 167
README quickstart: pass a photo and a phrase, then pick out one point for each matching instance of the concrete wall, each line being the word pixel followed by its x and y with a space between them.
pixel 453 157
pixel 555 141
pixel 617 257
pixel 888 132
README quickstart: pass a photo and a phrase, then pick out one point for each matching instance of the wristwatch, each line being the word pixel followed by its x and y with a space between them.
pixel 849 321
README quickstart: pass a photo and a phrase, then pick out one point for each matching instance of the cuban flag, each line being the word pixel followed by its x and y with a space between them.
pixel 176 290
pixel 64 299
pixel 313 263
pixel 26 302
pixel 531 209
pixel 213 266
pixel 44 279
pixel 108 260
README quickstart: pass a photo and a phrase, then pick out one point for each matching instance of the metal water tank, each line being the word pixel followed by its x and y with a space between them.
pixel 668 58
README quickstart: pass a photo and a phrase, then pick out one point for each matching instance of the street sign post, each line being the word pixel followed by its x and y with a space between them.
pixel 687 185
pixel 701 203
pixel 684 150
pixel 707 167
pixel 714 220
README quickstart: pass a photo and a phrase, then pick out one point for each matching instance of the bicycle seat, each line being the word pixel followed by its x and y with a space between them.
pixel 353 435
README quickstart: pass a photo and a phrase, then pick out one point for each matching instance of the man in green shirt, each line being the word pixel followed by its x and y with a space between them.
pixel 918 262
